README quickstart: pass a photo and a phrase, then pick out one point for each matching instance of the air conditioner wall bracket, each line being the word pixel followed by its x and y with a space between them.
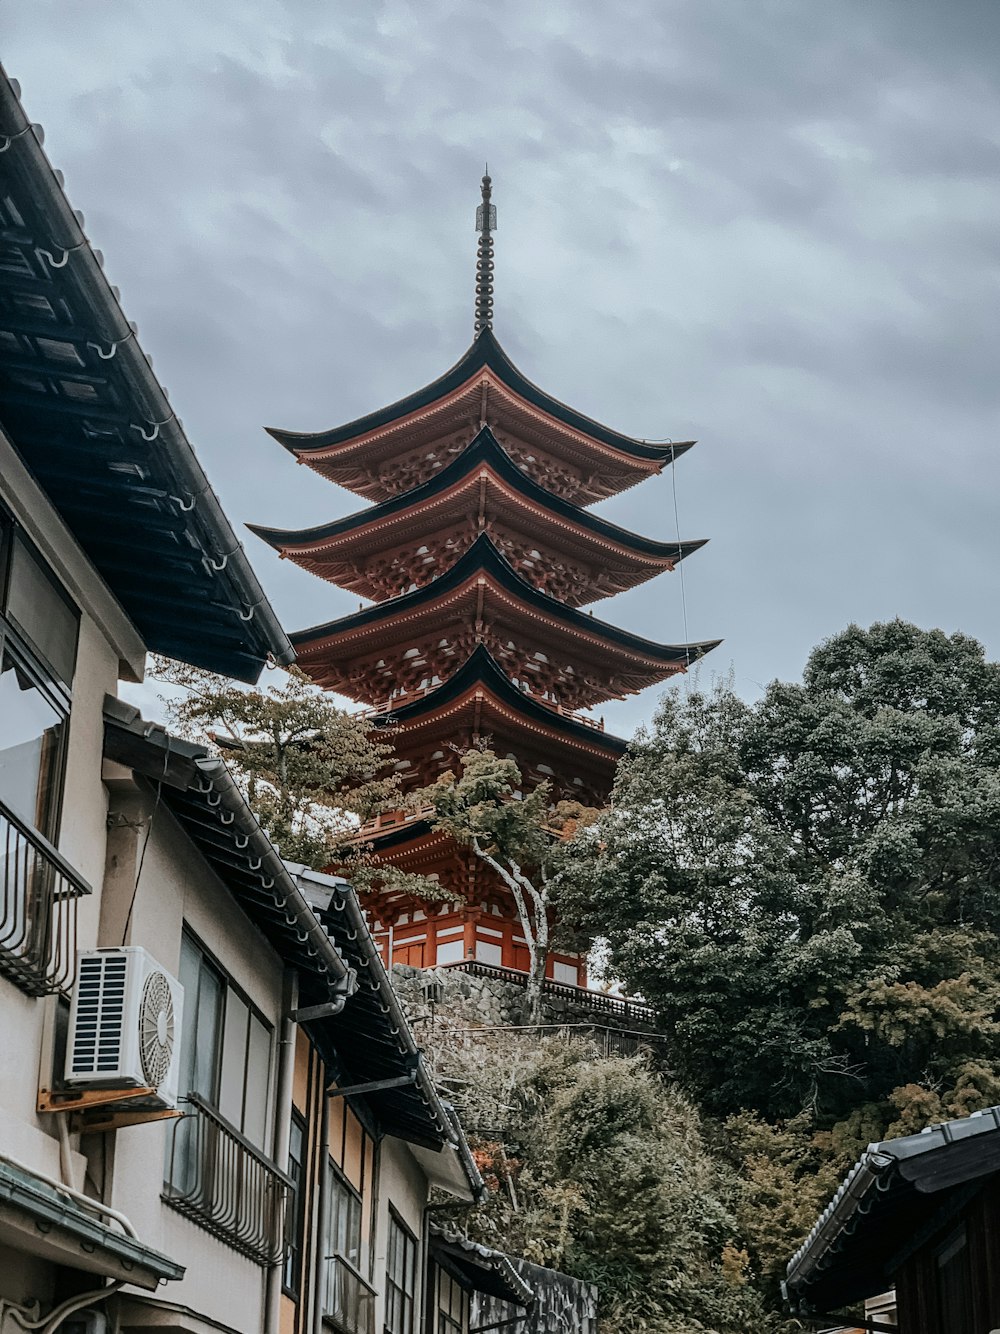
pixel 81 1100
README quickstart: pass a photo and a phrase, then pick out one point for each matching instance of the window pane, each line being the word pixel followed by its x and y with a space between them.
pixel 206 1043
pixel 257 1082
pixel 36 606
pixel 234 1059
pixel 31 732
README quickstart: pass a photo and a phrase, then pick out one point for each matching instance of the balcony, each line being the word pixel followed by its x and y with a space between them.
pixel 40 891
pixel 222 1182
pixel 621 1006
pixel 348 1299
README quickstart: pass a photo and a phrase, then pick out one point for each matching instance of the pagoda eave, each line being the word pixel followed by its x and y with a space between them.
pixel 412 537
pixel 427 633
pixel 388 451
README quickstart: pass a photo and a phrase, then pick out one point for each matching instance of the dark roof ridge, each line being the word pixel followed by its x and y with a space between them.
pixel 484 352
pixel 483 448
pixel 239 590
pixel 483 554
pixel 482 667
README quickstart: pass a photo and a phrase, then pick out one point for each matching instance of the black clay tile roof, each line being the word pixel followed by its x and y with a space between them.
pixel 82 407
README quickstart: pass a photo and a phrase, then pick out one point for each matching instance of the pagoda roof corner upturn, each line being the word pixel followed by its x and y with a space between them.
pixel 484 353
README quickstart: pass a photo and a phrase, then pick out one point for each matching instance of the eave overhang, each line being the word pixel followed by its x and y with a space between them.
pixel 478 1268
pixel 369 1039
pixel 885 1205
pixel 480 690
pixel 81 405
pixel 499 596
pixel 372 1038
pixel 460 394
pixel 40 1219
pixel 446 497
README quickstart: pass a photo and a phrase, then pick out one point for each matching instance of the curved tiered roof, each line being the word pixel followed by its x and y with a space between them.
pixel 398 644
pixel 478 551
pixel 414 537
pixel 404 444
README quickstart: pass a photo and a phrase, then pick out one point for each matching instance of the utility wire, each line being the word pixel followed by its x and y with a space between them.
pixel 680 571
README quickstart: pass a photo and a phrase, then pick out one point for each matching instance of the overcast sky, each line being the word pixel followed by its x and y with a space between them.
pixel 771 225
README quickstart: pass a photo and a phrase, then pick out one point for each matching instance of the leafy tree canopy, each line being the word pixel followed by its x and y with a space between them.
pixel 531 842
pixel 808 888
pixel 601 1170
pixel 310 769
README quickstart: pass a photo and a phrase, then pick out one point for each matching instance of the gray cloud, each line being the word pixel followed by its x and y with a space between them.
pixel 769 226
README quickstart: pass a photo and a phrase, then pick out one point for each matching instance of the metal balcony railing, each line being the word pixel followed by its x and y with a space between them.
pixel 348 1299
pixel 222 1182
pixel 38 897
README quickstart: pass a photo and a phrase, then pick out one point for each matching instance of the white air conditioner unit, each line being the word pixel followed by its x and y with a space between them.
pixel 124 1024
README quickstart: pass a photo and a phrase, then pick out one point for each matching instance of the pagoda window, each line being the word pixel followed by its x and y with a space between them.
pixel 541 657
pixel 450 951
pixel 412 653
pixel 488 951
pixel 546 769
pixel 565 972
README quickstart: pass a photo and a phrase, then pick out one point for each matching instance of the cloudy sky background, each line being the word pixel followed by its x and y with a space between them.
pixel 771 226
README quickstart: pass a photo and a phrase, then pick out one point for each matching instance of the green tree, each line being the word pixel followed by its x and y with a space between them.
pixel 532 843
pixel 311 771
pixel 601 1170
pixel 808 889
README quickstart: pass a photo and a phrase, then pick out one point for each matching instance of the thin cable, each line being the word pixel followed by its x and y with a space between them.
pixel 149 832
pixel 142 855
pixel 680 571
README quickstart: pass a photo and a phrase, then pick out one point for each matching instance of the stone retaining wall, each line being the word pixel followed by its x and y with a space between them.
pixel 493 1001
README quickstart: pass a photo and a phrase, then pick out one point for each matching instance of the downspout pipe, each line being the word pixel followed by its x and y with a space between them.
pixel 282 1132
pixel 345 900
pixel 323 1213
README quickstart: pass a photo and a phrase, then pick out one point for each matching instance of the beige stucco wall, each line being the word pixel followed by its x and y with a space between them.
pixel 177 887
pixel 403 1185
pixel 108 645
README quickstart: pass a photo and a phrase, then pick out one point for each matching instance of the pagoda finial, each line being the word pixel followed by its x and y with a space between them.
pixel 486 222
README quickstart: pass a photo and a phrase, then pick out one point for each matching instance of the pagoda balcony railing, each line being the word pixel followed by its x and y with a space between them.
pixel 622 1006
pixel 39 891
pixel 390 820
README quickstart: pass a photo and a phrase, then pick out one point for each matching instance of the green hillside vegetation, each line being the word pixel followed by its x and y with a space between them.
pixel 601 1169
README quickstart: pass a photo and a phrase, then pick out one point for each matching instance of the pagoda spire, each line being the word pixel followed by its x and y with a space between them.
pixel 486 223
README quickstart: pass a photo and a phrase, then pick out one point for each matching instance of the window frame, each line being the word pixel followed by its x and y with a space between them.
pixel 54 690
pixel 409 1299
pixel 215 1097
pixel 295 1229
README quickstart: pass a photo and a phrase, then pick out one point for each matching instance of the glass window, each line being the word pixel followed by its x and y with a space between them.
pixel 452 1304
pixel 39 608
pixel 296 1164
pixel 400 1279
pixel 32 739
pixel 344 1238
pixel 38 636
pixel 226 1046
pixel 346 1295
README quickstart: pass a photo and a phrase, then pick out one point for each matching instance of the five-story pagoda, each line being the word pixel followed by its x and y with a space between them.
pixel 477 551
